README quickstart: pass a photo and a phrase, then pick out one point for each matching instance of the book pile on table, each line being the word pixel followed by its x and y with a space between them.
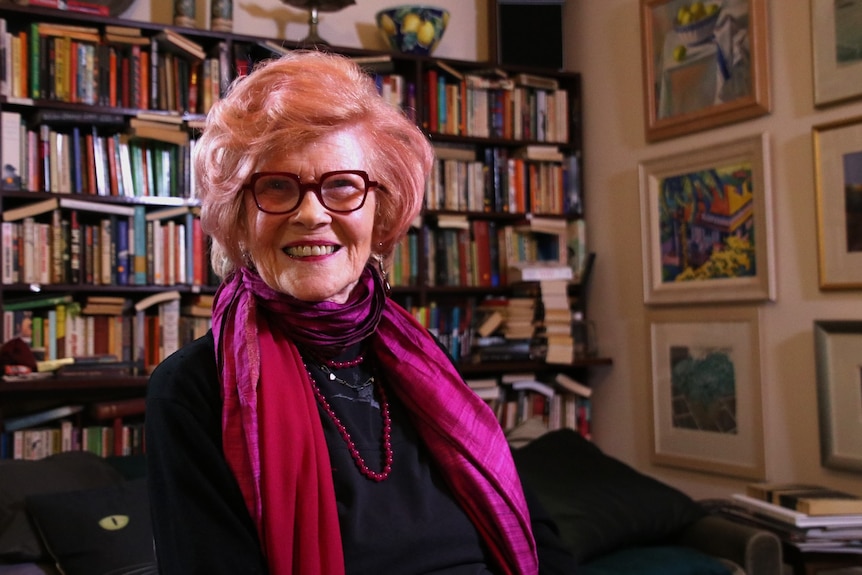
pixel 812 518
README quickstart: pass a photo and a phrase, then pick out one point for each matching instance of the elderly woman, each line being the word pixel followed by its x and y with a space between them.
pixel 318 429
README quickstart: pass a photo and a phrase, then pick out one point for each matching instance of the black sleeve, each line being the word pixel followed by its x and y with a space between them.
pixel 200 522
pixel 554 557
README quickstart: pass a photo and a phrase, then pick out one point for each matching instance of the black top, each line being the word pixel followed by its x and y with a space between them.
pixel 407 524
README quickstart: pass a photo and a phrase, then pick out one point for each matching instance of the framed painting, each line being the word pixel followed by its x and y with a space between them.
pixel 838 191
pixel 705 64
pixel 706 224
pixel 836 47
pixel 838 354
pixel 706 393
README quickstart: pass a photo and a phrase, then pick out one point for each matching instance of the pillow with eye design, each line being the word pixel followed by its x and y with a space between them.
pixel 103 530
pixel 19 479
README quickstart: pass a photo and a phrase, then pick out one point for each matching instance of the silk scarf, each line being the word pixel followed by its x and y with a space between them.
pixel 273 436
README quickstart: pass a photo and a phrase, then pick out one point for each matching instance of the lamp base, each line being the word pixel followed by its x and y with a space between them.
pixel 313 37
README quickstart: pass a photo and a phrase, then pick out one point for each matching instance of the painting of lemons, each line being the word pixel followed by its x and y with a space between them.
pixel 706 222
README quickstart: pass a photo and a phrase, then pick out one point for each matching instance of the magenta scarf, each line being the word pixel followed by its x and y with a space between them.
pixel 287 484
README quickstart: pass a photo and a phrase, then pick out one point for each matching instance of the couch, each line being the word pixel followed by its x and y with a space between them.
pixel 613 519
pixel 618 521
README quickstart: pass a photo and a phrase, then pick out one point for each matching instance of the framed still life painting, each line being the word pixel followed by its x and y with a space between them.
pixel 706 224
pixel 706 390
pixel 705 64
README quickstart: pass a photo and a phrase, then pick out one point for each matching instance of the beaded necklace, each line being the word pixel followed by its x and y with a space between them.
pixel 385 440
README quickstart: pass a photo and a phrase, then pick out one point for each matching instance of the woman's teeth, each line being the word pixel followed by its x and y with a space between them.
pixel 307 251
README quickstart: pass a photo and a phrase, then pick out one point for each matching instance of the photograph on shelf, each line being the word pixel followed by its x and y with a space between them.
pixel 838 186
pixel 836 47
pixel 838 349
pixel 706 392
pixel 706 224
pixel 705 64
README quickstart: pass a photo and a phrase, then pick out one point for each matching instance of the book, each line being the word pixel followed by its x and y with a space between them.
pixel 119 408
pixel 533 385
pixel 537 271
pixel 180 44
pixel 573 385
pixel 807 498
pixel 156 298
pixel 795 518
pixel 490 324
pixel 35 302
pixel 538 152
pixel 53 364
pixel 41 417
pixel 535 81
pixel 77 118
pixel 166 213
pixel 102 207
pixel 10 124
pixel 30 210
pixel 274 47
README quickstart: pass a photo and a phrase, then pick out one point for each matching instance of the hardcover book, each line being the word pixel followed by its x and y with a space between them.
pixel 806 498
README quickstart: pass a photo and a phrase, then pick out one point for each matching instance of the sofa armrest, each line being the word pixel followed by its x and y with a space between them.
pixel 757 551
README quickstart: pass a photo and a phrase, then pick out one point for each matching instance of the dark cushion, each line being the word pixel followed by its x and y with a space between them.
pixel 661 560
pixel 97 531
pixel 28 569
pixel 599 503
pixel 18 479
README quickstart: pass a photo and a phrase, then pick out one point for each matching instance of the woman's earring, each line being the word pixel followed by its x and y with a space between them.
pixel 384 275
pixel 246 259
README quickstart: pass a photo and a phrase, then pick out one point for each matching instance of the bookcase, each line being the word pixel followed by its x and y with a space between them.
pixel 99 117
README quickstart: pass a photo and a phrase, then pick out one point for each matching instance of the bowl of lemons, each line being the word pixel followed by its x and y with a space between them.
pixel 695 22
pixel 412 29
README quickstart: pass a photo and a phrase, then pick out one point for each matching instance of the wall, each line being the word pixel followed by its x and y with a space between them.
pixel 353 26
pixel 603 47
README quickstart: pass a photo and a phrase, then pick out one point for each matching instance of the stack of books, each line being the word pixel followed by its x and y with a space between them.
pixel 812 518
pixel 556 323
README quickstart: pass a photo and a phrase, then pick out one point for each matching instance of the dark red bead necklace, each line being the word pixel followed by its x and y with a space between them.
pixel 385 440
pixel 342 364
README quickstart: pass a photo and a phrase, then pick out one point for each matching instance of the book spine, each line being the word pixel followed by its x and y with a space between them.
pixel 121 241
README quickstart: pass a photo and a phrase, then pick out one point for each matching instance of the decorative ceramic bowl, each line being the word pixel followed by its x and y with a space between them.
pixel 412 29
pixel 698 31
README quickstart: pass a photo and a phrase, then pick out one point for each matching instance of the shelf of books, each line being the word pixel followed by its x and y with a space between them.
pixel 103 266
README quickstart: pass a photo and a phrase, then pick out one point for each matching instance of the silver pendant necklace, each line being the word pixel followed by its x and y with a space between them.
pixel 354 386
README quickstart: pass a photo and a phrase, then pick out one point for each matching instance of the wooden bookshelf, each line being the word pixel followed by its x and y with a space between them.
pixel 129 123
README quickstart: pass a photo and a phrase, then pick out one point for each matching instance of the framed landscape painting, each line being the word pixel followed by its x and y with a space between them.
pixel 838 188
pixel 705 64
pixel 836 38
pixel 706 224
pixel 838 347
pixel 706 390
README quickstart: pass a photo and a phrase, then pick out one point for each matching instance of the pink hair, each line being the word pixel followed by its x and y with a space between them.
pixel 282 106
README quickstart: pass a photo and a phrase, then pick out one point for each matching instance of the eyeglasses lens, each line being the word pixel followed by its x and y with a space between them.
pixel 280 193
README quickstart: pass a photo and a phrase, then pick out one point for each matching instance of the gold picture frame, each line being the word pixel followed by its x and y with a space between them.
pixel 836 48
pixel 838 347
pixel 706 390
pixel 706 224
pixel 838 192
pixel 707 73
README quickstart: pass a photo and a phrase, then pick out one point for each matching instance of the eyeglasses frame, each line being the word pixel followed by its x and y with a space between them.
pixel 305 187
